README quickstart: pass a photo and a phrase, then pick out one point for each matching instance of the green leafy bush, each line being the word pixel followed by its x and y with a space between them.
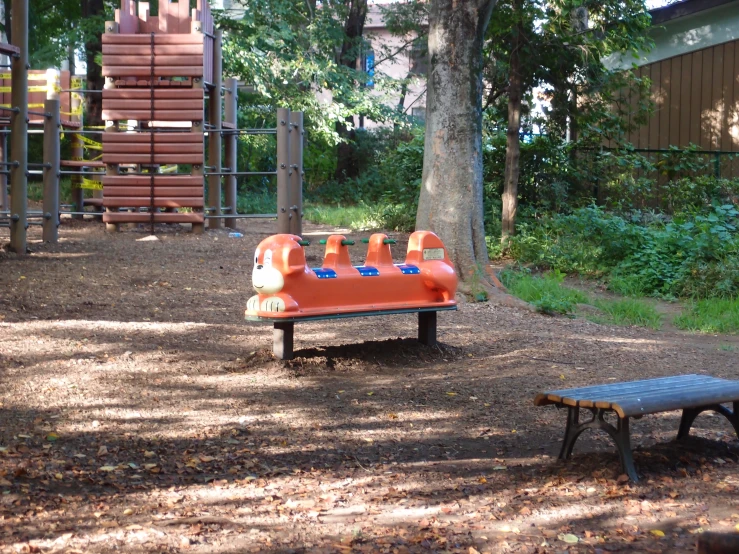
pixel 693 255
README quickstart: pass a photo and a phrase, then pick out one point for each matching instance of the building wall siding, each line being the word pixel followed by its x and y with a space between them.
pixel 696 100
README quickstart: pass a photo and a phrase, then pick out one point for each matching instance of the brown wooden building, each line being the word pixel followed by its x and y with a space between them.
pixel 694 70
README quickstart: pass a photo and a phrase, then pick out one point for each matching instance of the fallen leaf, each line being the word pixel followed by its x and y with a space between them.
pixel 569 538
pixel 127 512
pixel 473 550
pixel 451 394
pixel 370 393
pixel 103 450
pixel 51 437
pixel 107 468
pixel 657 533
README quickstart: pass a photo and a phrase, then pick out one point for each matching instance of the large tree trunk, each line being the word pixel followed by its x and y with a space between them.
pixel 95 80
pixel 450 203
pixel 513 134
pixel 347 164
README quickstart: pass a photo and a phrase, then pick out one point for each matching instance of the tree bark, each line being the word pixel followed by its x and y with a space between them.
pixel 450 202
pixel 513 134
pixel 347 164
pixel 95 80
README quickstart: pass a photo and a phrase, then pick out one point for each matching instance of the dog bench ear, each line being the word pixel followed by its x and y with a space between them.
pixel 294 258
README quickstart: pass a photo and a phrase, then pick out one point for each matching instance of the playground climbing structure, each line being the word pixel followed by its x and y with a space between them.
pixel 157 70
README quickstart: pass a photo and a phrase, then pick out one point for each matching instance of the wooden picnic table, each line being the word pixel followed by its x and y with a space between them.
pixel 692 394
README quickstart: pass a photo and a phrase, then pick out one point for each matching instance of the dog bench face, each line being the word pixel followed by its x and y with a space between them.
pixel 287 288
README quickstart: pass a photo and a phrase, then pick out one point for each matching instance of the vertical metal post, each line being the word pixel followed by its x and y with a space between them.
pixel 296 173
pixel 78 153
pixel 51 171
pixel 19 128
pixel 110 127
pixel 3 176
pixel 214 138
pixel 197 127
pixel 717 165
pixel 230 150
pixel 427 328
pixel 283 167
pixel 282 340
pixel 51 157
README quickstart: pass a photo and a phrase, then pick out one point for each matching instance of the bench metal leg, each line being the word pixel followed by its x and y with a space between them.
pixel 282 340
pixel 427 328
pixel 689 415
pixel 619 434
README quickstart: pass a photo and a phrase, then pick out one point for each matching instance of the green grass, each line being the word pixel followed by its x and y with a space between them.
pixel 710 316
pixel 36 191
pixel 356 217
pixel 264 202
pixel 546 293
pixel 628 311
pixel 550 296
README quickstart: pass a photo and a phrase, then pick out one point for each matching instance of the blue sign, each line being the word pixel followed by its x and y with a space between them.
pixel 369 68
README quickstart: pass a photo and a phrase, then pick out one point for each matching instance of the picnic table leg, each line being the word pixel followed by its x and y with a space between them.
pixel 282 340
pixel 427 328
pixel 689 415
pixel 619 434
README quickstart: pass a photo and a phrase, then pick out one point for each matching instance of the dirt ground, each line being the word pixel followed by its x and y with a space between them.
pixel 140 413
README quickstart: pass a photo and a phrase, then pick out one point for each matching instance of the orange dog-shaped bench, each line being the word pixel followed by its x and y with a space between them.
pixel 289 291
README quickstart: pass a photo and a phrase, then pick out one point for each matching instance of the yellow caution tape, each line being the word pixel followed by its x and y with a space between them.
pixel 30 89
pixel 34 77
pixel 91 144
pixel 90 184
pixel 29 105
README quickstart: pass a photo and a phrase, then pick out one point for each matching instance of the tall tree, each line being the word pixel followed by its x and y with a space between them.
pixel 560 45
pixel 450 202
pixel 513 133
pixel 351 52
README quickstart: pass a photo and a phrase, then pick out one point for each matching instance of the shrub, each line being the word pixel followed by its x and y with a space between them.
pixel 693 255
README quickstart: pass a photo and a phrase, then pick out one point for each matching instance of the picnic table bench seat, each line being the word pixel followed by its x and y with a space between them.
pixel 692 394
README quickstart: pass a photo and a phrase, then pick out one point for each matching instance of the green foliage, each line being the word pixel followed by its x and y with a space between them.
pixel 392 162
pixel 287 52
pixel 628 311
pixel 693 255
pixel 257 201
pixel 357 217
pixel 713 315
pixel 546 293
